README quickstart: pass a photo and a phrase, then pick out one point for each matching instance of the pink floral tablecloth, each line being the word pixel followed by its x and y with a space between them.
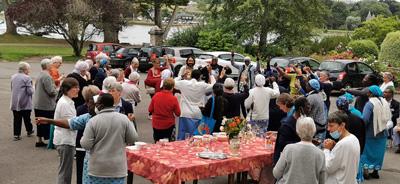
pixel 178 162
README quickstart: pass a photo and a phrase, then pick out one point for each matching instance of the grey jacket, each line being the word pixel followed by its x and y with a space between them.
pixel 105 137
pixel 300 163
pixel 317 111
pixel 21 92
pixel 46 93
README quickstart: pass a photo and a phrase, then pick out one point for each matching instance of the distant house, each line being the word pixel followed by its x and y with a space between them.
pixel 184 17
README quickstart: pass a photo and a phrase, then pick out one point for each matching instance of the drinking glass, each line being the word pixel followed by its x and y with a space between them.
pixel 206 141
pixel 188 138
pixel 268 143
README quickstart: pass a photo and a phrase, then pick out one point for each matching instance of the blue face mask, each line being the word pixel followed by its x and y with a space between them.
pixel 335 134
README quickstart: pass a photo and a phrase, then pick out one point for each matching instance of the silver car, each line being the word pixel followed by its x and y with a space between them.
pixel 180 54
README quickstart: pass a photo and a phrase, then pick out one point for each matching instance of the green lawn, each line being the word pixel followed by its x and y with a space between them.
pixel 21 51
pixel 16 48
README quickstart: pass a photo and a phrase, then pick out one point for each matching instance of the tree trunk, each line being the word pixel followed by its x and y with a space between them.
pixel 11 27
pixel 262 44
pixel 157 13
pixel 171 20
pixel 77 50
pixel 110 35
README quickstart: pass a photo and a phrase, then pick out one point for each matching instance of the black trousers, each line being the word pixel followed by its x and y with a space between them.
pixel 80 157
pixel 163 134
pixel 43 130
pixel 244 110
pixel 18 115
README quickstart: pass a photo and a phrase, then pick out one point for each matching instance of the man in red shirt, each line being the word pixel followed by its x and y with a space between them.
pixel 164 107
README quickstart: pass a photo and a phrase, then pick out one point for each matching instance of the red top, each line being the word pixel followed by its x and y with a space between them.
pixel 164 105
pixel 153 78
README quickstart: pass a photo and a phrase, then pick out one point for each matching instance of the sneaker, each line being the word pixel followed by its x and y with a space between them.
pixel 40 144
pixel 17 138
pixel 30 133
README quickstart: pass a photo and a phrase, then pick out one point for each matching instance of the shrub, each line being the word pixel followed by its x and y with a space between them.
pixel 390 49
pixel 218 40
pixel 363 48
pixel 377 28
pixel 187 37
pixel 333 43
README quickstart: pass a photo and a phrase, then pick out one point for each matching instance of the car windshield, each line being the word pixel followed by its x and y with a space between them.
pixel 280 62
pixel 205 56
pixel 187 52
pixel 331 66
pixel 121 50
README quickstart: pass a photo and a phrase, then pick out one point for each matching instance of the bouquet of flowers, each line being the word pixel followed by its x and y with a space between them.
pixel 233 126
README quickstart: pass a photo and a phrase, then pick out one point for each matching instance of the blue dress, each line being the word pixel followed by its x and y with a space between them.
pixel 375 146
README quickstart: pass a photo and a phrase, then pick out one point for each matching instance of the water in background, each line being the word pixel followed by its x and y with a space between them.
pixel 135 34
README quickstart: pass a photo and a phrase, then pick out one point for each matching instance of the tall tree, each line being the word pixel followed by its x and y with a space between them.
pixel 362 8
pixel 339 13
pixel 112 13
pixel 143 6
pixel 11 27
pixel 69 18
pixel 286 23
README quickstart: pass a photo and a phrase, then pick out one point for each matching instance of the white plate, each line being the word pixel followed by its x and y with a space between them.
pixel 132 148
pixel 140 143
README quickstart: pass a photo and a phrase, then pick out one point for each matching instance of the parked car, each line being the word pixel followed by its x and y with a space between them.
pixel 180 54
pixel 224 59
pixel 145 55
pixel 96 48
pixel 285 62
pixel 346 73
pixel 123 56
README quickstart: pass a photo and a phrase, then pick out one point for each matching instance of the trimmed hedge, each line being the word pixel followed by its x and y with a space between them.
pixel 390 49
pixel 363 48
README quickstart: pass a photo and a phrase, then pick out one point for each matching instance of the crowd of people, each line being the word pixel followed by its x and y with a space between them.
pixel 90 114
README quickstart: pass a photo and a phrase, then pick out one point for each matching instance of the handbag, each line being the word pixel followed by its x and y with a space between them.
pixel 207 124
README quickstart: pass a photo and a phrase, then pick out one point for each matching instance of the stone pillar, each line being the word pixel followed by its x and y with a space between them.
pixel 156 36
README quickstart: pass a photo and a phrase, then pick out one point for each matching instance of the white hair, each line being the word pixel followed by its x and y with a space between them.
pixel 117 86
pixel 45 63
pixel 229 82
pixel 56 59
pixel 134 76
pixel 305 128
pixel 101 56
pixel 388 75
pixel 107 83
pixel 135 60
pixel 115 73
pixel 23 66
pixel 81 66
pixel 89 62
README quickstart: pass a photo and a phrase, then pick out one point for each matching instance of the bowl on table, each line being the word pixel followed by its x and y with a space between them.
pixel 140 145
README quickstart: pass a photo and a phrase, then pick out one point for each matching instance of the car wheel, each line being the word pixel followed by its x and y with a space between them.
pixel 176 70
